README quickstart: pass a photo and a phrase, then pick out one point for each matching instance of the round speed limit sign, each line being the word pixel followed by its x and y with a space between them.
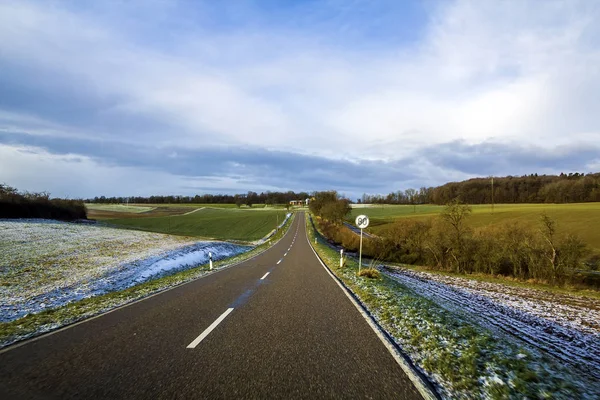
pixel 362 221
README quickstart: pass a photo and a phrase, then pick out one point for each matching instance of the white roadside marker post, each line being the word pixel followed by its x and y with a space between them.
pixel 341 258
pixel 210 259
pixel 362 221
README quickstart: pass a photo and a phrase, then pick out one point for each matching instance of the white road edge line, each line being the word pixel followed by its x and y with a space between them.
pixel 414 378
pixel 265 275
pixel 208 330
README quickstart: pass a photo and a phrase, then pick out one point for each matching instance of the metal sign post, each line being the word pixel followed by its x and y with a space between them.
pixel 362 221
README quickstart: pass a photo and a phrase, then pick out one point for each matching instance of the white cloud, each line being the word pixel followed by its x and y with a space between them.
pixel 511 71
pixel 503 70
pixel 71 175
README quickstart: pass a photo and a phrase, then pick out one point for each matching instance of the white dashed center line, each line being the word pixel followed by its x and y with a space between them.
pixel 209 329
pixel 264 276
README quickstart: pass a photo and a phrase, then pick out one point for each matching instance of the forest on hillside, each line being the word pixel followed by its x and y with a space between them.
pixel 534 188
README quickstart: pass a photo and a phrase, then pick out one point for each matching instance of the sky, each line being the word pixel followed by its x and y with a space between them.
pixel 144 97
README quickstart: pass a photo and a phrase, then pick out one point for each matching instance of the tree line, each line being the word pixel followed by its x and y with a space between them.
pixel 248 199
pixel 330 206
pixel 15 204
pixel 534 188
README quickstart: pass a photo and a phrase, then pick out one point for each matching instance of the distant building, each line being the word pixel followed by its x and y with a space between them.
pixel 300 203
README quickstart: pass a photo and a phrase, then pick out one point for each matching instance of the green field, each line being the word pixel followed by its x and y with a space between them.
pixel 582 219
pixel 103 212
pixel 215 223
pixel 212 205
pixel 147 207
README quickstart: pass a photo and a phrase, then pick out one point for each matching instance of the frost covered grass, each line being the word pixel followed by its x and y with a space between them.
pixel 572 312
pixel 565 292
pixel 461 357
pixel 46 264
pixel 135 249
pixel 567 327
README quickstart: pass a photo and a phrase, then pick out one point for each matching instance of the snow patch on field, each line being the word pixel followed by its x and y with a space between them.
pixel 566 327
pixel 193 211
pixel 46 264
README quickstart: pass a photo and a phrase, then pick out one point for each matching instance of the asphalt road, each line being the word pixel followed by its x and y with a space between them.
pixel 290 334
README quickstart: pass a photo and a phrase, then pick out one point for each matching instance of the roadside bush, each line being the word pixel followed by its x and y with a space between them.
pixel 489 258
pixel 342 236
pixel 404 241
pixel 370 273
pixel 438 246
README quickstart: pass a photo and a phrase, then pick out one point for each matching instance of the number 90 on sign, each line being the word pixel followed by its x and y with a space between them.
pixel 362 221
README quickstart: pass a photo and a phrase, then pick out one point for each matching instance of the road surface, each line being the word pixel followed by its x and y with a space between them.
pixel 275 326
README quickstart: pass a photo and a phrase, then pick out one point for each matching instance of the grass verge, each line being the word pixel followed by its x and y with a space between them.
pixel 36 324
pixel 463 360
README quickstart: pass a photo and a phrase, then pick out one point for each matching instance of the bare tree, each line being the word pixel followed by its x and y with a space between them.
pixel 548 231
pixel 455 215
pixel 411 195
